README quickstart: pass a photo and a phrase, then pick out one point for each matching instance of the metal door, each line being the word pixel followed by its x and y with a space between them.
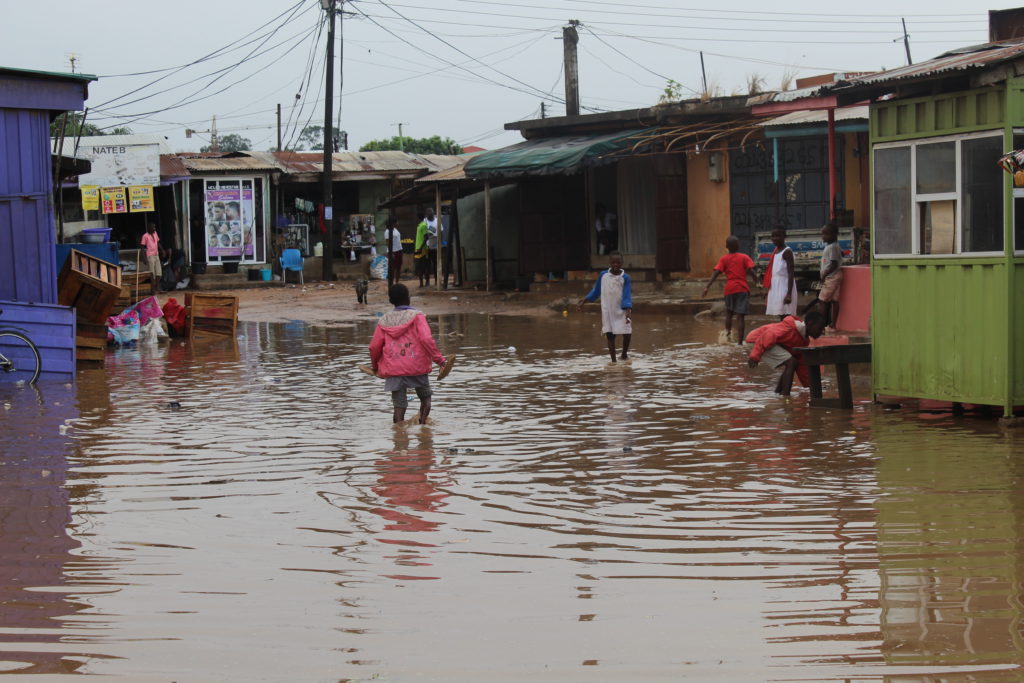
pixel 798 200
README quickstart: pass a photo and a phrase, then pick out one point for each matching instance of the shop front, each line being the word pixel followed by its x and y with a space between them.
pixel 229 215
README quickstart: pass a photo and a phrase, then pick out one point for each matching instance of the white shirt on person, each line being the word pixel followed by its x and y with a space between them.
pixel 396 238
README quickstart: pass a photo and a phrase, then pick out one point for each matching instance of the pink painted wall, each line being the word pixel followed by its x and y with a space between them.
pixel 855 299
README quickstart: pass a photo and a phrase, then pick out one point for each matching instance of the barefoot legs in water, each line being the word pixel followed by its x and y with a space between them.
pixel 611 344
pixel 785 385
pixel 399 414
pixel 626 338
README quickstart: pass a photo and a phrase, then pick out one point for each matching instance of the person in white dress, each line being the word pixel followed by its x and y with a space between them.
pixel 615 290
pixel 780 278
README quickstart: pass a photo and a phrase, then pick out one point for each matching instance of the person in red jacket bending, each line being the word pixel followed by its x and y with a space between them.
pixel 402 351
pixel 774 345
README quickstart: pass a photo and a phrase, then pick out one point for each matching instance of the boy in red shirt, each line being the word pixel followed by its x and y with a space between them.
pixel 775 343
pixel 736 267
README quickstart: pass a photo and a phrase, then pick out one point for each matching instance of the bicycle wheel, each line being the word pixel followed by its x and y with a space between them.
pixel 19 358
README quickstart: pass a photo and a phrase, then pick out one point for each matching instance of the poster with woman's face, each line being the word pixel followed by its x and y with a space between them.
pixel 229 222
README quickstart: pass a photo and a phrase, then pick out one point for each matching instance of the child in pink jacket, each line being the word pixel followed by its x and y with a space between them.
pixel 402 351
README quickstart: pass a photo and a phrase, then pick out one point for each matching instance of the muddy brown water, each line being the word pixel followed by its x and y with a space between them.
pixel 561 520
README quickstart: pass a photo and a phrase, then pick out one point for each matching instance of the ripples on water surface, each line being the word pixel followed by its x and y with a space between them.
pixel 561 520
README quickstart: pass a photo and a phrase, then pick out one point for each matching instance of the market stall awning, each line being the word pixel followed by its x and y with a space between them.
pixel 562 155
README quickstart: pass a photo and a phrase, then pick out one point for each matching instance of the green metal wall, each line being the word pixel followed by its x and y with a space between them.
pixel 945 114
pixel 938 328
pixel 1018 332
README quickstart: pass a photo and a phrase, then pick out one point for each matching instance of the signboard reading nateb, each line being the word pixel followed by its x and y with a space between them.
pixel 123 165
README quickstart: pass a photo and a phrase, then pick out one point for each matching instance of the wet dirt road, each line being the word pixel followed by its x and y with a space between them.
pixel 561 520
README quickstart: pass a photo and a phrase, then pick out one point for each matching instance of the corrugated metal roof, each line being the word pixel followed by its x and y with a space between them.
pixel 457 172
pixel 364 162
pixel 817 116
pixel 172 167
pixel 56 75
pixel 972 57
pixel 227 164
pixel 790 95
pixel 111 140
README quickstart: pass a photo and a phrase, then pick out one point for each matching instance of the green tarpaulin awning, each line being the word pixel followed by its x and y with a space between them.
pixel 549 156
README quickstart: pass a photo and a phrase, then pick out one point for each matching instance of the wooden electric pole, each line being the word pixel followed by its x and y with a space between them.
pixel 572 73
pixel 328 195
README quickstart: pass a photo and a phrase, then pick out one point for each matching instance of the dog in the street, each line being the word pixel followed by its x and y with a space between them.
pixel 362 287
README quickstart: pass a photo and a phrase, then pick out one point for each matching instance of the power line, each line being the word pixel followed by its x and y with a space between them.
pixel 219 73
pixel 642 66
pixel 215 53
pixel 193 100
pixel 460 50
pixel 748 12
pixel 632 13
pixel 459 66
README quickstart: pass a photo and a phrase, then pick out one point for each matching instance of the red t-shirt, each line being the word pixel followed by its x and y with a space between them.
pixel 735 267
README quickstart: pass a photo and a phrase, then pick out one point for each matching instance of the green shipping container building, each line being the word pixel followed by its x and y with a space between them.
pixel 947 228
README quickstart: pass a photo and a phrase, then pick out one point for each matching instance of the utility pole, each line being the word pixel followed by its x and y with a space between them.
pixel 543 110
pixel 572 73
pixel 279 128
pixel 906 41
pixel 213 135
pixel 704 76
pixel 401 138
pixel 328 196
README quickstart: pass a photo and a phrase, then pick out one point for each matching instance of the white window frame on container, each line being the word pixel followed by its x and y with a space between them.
pixel 919 201
pixel 1018 193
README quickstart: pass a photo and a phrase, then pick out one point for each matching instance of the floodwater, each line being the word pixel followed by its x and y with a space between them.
pixel 561 520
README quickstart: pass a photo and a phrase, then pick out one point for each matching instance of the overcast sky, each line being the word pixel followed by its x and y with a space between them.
pixel 455 68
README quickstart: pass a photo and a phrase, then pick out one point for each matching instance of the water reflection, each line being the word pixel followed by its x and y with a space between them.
pixel 43 573
pixel 562 519
pixel 949 546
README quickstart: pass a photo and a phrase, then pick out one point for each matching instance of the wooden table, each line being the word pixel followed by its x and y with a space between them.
pixel 839 355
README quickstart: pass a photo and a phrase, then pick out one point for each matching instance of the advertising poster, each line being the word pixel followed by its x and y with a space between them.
pixel 122 165
pixel 230 233
pixel 90 197
pixel 115 200
pixel 140 198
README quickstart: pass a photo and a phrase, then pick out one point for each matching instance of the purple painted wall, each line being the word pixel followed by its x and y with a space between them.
pixel 52 328
pixel 28 99
pixel 28 271
pixel 27 238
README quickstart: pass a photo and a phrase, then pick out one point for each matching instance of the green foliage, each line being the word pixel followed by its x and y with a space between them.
pixel 74 125
pixel 673 92
pixel 311 138
pixel 432 145
pixel 231 142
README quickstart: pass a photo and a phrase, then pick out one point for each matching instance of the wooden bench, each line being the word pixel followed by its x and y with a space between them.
pixel 839 355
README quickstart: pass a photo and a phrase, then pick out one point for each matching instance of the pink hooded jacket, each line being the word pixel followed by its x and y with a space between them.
pixel 402 345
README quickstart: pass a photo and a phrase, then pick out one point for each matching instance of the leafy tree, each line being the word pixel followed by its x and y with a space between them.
pixel 433 145
pixel 74 125
pixel 229 143
pixel 311 138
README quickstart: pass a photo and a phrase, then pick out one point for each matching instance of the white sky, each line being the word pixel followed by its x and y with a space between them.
pixel 507 56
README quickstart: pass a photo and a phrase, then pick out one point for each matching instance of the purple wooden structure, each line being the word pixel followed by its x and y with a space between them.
pixel 29 101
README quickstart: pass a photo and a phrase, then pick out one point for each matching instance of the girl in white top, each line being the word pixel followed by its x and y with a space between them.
pixel 782 295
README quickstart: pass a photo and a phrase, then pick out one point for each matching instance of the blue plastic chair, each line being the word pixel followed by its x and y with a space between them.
pixel 291 260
